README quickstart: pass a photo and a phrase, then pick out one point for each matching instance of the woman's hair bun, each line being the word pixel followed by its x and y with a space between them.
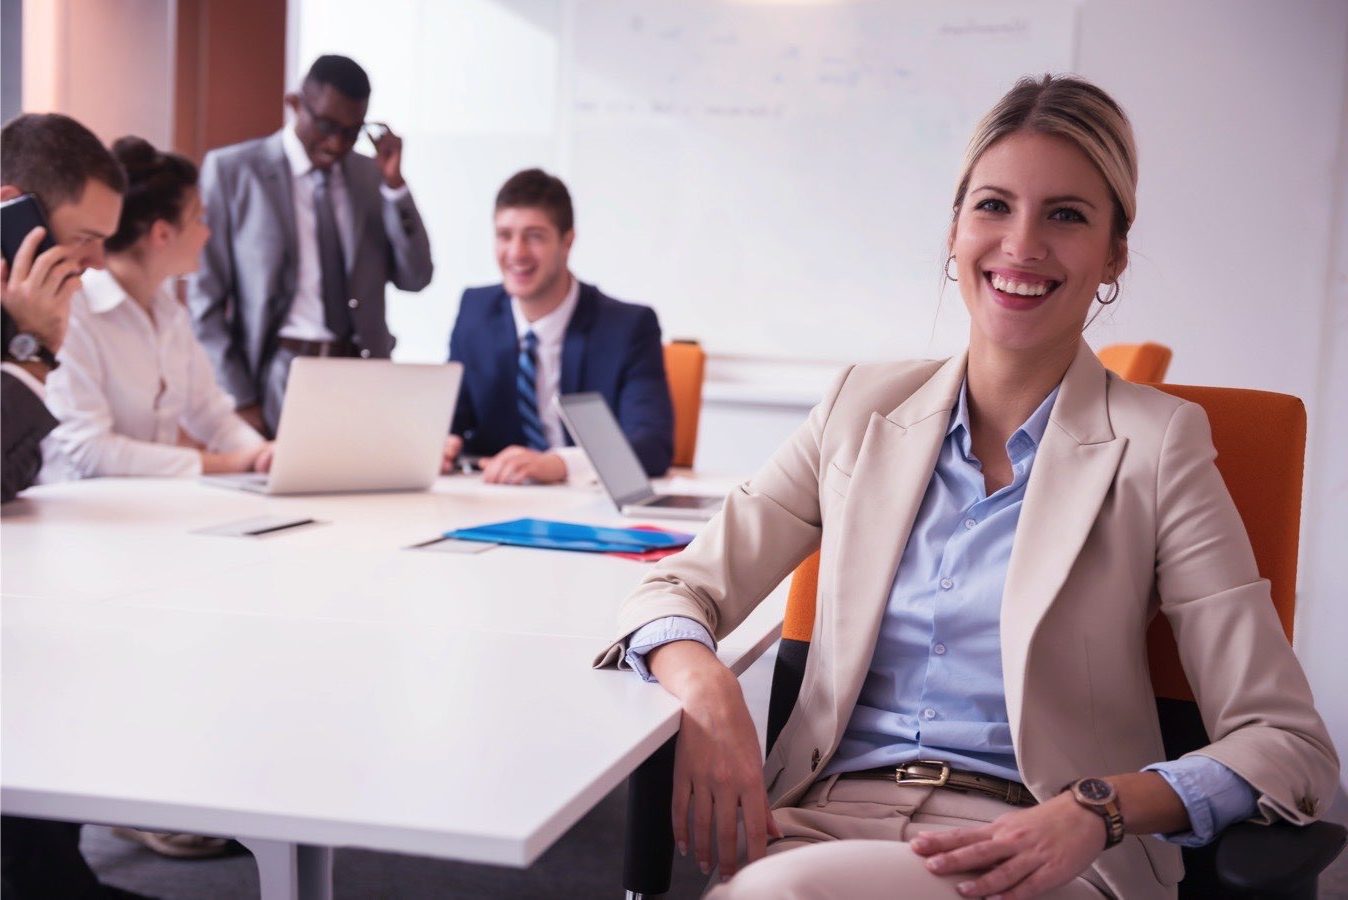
pixel 135 154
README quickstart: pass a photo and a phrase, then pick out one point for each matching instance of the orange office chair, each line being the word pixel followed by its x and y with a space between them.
pixel 1262 468
pixel 1137 362
pixel 685 363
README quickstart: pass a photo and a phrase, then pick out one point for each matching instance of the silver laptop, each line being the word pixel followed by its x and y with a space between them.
pixel 358 425
pixel 593 427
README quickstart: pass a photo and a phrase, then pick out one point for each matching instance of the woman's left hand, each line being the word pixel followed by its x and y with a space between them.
pixel 1021 854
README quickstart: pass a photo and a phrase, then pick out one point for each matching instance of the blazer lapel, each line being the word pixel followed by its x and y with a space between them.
pixel 503 349
pixel 276 176
pixel 1074 468
pixel 893 468
pixel 573 344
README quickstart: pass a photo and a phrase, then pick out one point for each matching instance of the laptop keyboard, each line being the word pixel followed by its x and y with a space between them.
pixel 254 479
pixel 683 501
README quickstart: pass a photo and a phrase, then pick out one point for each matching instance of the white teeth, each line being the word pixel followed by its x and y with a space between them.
pixel 1018 287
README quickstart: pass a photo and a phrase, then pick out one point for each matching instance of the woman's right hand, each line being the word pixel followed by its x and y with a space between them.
pixel 718 768
pixel 235 461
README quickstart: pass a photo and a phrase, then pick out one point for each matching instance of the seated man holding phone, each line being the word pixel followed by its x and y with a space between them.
pixel 62 195
pixel 541 333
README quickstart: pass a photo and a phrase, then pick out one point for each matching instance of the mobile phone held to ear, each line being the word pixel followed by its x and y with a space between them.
pixel 18 217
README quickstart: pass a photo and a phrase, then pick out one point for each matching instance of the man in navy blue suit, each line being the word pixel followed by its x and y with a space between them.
pixel 542 333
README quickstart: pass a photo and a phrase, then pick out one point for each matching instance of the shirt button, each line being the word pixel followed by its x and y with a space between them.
pixel 928 713
pixel 353 303
pixel 946 584
pixel 969 523
pixel 365 354
pixel 939 649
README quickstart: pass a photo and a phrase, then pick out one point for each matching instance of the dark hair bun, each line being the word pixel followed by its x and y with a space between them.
pixel 136 155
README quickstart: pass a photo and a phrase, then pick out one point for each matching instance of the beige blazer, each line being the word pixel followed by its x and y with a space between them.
pixel 1125 515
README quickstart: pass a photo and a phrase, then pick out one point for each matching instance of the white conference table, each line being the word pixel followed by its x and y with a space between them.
pixel 322 686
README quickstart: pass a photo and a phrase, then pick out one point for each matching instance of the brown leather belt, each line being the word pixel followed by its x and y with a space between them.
pixel 317 348
pixel 933 773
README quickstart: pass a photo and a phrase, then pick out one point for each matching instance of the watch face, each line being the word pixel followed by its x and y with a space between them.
pixel 23 346
pixel 1095 789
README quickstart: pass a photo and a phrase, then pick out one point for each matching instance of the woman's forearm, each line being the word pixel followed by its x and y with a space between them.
pixel 687 669
pixel 1149 804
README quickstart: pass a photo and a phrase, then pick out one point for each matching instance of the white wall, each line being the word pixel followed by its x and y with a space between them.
pixel 1238 254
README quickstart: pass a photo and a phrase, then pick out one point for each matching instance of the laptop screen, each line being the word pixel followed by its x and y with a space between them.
pixel 593 427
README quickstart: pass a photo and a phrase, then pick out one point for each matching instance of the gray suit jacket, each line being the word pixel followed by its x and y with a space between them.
pixel 241 295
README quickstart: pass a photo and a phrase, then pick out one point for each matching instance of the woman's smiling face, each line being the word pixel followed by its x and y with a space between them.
pixel 1033 241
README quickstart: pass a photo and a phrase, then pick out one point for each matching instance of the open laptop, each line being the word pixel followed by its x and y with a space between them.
pixel 593 427
pixel 358 425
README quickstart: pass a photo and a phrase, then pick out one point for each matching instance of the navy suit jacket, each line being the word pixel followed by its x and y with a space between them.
pixel 610 346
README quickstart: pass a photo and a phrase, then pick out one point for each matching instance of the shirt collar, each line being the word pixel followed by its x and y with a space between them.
pixel 552 327
pixel 300 164
pixel 102 291
pixel 1024 441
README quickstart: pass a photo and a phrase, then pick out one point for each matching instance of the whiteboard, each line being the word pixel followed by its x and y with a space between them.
pixel 774 178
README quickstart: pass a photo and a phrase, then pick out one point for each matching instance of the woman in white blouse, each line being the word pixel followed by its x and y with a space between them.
pixel 135 392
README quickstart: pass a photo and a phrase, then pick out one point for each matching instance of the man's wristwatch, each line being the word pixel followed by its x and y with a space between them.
pixel 23 347
pixel 1099 797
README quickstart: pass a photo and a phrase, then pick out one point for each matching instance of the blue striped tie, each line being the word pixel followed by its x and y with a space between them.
pixel 526 394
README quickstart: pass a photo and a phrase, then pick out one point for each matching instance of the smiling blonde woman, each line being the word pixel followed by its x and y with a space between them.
pixel 996 532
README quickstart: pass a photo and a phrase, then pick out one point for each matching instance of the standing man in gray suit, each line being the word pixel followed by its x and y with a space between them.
pixel 304 235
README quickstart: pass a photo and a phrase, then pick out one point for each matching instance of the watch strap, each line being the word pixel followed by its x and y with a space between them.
pixel 39 354
pixel 1113 817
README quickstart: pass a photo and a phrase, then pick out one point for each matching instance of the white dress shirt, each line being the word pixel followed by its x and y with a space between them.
pixel 127 384
pixel 306 321
pixel 551 333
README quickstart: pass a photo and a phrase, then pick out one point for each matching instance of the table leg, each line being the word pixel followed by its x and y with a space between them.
pixel 288 871
pixel 649 852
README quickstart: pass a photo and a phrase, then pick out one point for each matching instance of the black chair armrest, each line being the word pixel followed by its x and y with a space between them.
pixel 1277 860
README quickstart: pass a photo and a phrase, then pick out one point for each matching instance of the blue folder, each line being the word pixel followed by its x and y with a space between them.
pixel 570 536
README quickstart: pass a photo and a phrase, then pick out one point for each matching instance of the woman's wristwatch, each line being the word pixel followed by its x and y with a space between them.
pixel 1099 797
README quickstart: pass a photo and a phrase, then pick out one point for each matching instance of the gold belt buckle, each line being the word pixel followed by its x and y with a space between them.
pixel 903 776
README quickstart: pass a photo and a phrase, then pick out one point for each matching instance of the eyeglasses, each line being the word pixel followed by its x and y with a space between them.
pixel 328 127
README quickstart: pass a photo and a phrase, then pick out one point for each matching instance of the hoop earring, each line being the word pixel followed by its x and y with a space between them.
pixel 1113 294
pixel 948 260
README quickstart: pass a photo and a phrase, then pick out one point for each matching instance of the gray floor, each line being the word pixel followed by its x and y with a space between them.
pixel 585 864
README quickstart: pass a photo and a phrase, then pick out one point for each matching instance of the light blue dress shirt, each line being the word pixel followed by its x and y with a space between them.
pixel 934 689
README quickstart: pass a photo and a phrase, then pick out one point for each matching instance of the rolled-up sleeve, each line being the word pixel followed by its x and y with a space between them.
pixel 661 632
pixel 1212 794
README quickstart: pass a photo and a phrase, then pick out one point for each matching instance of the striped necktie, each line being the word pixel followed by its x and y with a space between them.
pixel 526 393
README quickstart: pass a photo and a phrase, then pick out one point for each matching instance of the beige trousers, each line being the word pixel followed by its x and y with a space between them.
pixel 847 840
